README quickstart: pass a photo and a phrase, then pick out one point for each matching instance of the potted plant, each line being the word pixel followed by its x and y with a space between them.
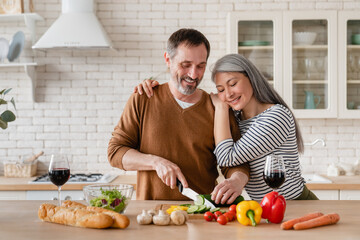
pixel 7 115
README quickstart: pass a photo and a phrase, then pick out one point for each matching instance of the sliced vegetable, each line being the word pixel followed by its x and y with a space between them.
pixel 111 200
pixel 289 224
pixel 200 200
pixel 215 209
pixel 237 200
pixel 192 209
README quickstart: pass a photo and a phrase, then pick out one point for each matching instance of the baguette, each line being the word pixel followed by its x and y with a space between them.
pixel 120 221
pixel 77 217
pixel 72 204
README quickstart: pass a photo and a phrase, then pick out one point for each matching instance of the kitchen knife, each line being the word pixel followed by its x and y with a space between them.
pixel 188 192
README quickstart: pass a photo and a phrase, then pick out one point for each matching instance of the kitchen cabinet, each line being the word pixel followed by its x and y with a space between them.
pixel 30 21
pixel 327 194
pixel 302 70
pixel 12 195
pixel 349 64
pixel 349 194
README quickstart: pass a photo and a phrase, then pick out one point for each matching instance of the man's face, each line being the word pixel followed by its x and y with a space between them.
pixel 187 67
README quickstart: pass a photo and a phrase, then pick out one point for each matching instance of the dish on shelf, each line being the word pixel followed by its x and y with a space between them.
pixel 254 43
pixel 16 46
pixel 4 49
pixel 355 39
pixel 304 38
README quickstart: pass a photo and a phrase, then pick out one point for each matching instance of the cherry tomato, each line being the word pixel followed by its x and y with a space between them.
pixel 222 219
pixel 217 214
pixel 209 216
pixel 229 216
pixel 232 208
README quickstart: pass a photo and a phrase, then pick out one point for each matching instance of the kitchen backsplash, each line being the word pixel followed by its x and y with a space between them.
pixel 81 93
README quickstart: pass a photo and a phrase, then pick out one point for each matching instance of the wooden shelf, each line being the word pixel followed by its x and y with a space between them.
pixel 310 82
pixel 353 46
pixel 310 47
pixel 251 48
pixel 28 18
pixel 353 81
pixel 29 70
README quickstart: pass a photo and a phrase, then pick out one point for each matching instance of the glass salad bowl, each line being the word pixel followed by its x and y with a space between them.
pixel 115 197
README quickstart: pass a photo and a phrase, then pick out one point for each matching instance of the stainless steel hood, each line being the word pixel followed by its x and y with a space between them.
pixel 77 27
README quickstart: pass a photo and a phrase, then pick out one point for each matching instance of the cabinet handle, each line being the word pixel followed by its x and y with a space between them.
pixel 67 198
pixel 54 198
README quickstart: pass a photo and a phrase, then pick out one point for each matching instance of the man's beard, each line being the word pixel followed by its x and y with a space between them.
pixel 187 90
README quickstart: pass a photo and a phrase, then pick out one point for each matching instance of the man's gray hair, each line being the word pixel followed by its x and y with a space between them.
pixel 263 91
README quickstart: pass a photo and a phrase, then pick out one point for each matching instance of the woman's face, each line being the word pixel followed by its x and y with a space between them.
pixel 234 88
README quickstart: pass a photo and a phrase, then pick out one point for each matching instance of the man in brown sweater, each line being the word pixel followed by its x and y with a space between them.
pixel 170 135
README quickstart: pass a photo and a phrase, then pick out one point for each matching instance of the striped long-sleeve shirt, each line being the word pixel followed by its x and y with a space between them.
pixel 272 131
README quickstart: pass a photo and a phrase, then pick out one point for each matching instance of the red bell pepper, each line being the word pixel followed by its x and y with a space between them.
pixel 273 205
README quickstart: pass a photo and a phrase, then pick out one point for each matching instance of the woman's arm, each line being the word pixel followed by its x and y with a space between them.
pixel 221 120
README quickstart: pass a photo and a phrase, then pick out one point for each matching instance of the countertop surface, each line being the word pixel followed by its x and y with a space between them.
pixel 19 220
pixel 21 184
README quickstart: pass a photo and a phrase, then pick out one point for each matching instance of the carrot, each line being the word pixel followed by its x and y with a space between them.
pixel 289 224
pixel 327 219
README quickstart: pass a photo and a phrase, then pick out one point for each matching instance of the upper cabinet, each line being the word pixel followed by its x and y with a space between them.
pixel 349 64
pixel 305 55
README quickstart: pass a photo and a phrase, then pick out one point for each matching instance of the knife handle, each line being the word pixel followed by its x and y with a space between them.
pixel 179 185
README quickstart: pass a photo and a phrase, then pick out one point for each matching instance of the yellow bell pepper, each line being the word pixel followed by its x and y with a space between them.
pixel 248 213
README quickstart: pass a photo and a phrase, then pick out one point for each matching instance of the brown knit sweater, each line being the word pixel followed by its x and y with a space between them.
pixel 159 126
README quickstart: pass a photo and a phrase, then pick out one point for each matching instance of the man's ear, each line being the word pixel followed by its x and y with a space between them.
pixel 167 59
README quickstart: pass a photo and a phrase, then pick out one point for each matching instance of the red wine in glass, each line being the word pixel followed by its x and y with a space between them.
pixel 274 171
pixel 59 176
pixel 59 172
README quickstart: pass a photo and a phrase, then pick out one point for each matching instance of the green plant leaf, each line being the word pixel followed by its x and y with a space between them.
pixel 7 90
pixel 13 102
pixel 1 92
pixel 3 124
pixel 8 116
pixel 2 101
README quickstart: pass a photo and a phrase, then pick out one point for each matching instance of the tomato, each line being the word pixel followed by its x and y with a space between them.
pixel 209 216
pixel 217 214
pixel 232 208
pixel 229 216
pixel 222 219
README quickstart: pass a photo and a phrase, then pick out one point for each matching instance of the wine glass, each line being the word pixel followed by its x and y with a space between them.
pixel 59 171
pixel 274 171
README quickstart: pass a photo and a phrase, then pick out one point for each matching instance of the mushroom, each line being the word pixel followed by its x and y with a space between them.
pixel 152 212
pixel 144 218
pixel 178 217
pixel 161 219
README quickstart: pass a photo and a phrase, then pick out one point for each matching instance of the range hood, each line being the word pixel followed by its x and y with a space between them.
pixel 77 27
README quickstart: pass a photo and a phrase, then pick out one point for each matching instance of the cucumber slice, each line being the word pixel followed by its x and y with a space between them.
pixel 192 209
pixel 215 209
pixel 201 209
pixel 200 200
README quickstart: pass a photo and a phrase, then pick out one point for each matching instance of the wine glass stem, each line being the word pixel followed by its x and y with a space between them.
pixel 59 195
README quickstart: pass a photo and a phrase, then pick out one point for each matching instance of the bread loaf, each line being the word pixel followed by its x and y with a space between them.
pixel 120 221
pixel 78 217
pixel 72 204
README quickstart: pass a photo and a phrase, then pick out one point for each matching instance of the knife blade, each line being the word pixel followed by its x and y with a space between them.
pixel 188 192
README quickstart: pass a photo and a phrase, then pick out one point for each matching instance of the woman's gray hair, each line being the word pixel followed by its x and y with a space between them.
pixel 263 91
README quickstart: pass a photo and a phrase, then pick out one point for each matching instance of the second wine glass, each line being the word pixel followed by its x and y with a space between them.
pixel 274 171
pixel 59 172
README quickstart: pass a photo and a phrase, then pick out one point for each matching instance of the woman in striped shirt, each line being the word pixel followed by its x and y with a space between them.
pixel 266 123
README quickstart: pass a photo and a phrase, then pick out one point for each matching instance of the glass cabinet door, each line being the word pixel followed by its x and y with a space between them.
pixel 349 64
pixel 258 38
pixel 310 49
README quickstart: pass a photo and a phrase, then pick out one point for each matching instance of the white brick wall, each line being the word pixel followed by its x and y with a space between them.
pixel 82 93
